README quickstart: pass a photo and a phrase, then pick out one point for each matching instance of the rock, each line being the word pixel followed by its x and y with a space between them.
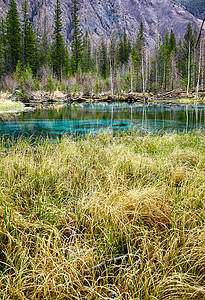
pixel 101 17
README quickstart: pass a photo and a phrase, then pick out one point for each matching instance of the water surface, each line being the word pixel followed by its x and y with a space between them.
pixel 92 118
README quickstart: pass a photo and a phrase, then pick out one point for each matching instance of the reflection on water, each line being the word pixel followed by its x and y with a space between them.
pixel 86 118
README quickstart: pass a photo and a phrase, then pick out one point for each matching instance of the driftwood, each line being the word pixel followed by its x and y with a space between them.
pixel 120 260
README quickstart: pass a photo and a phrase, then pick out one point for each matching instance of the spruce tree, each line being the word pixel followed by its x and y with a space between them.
pixel 127 47
pixel 113 50
pixel 4 45
pixel 13 36
pixel 58 45
pixel 121 51
pixel 188 46
pixel 141 53
pixel 124 49
pixel 29 40
pixel 76 38
pixel 188 49
pixel 140 40
pixel 172 42
pixel 165 61
pixel 44 36
pixel 1 58
pixel 103 59
pixel 86 55
pixel 2 51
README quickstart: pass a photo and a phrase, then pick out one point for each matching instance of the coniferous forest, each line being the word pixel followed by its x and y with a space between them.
pixel 29 58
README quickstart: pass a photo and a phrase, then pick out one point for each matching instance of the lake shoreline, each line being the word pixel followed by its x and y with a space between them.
pixel 10 103
pixel 58 96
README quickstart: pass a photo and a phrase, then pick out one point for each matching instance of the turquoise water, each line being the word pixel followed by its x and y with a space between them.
pixel 92 118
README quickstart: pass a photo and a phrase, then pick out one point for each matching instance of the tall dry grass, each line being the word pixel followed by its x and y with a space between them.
pixel 103 218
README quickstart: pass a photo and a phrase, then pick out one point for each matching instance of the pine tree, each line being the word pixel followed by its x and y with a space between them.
pixel 58 46
pixel 188 49
pixel 121 51
pixel 76 38
pixel 29 40
pixel 86 55
pixel 141 53
pixel 44 36
pixel 165 61
pixel 113 50
pixel 173 57
pixel 13 36
pixel 67 62
pixel 103 59
pixel 4 45
pixel 124 49
pixel 180 62
pixel 2 55
pixel 140 41
pixel 127 47
pixel 172 42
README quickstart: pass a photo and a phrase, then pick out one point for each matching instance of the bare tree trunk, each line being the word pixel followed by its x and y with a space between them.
pixel 156 65
pixel 44 30
pixel 189 63
pixel 147 71
pixel 143 77
pixel 131 73
pixel 61 73
pixel 202 67
pixel 172 76
pixel 164 76
pixel 131 80
pixel 199 73
pixel 111 79
pixel 156 73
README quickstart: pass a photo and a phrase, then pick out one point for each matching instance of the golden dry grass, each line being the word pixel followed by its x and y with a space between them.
pixel 67 207
pixel 8 105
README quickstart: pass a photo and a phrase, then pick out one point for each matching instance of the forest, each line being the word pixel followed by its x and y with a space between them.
pixel 32 60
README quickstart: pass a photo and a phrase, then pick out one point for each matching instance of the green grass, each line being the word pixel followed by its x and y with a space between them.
pixel 8 105
pixel 66 207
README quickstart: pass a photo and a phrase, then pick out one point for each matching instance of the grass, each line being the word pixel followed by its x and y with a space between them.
pixel 66 207
pixel 8 105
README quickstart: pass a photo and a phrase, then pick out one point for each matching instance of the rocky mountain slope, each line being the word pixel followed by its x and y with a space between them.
pixel 102 17
pixel 196 7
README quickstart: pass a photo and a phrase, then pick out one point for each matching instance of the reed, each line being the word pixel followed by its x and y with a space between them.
pixel 105 217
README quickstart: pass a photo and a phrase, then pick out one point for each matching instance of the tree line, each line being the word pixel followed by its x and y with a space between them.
pixel 118 64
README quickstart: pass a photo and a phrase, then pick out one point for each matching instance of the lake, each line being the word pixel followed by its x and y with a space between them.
pixel 53 121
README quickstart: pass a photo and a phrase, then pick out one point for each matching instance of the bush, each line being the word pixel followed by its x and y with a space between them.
pixel 98 86
pixel 49 84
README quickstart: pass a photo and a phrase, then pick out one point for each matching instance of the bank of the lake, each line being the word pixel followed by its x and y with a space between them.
pixel 103 217
pixel 7 105
pixel 20 99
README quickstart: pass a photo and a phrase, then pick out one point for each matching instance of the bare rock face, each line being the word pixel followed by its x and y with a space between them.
pixel 103 17
pixel 196 7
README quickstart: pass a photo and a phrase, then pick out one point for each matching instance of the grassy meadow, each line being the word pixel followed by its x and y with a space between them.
pixel 109 217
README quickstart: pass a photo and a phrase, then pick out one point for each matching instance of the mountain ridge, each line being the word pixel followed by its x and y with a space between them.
pixel 196 7
pixel 102 18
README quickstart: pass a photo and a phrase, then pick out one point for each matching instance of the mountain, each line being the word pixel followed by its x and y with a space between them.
pixel 196 7
pixel 102 17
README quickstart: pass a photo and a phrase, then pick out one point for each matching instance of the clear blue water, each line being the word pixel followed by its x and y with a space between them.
pixel 92 118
